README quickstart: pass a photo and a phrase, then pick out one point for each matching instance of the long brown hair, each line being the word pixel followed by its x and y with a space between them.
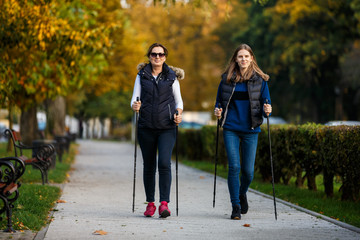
pixel 233 67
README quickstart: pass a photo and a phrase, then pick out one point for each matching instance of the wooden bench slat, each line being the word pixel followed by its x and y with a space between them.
pixel 10 188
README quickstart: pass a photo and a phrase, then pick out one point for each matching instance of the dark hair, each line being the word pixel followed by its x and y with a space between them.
pixel 234 67
pixel 156 45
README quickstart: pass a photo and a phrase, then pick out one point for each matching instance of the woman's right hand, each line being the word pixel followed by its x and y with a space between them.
pixel 218 112
pixel 136 106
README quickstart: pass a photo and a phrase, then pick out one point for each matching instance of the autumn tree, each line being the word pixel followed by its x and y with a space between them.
pixel 105 99
pixel 300 44
pixel 48 49
pixel 185 30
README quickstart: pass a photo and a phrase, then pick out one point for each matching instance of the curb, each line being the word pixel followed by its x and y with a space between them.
pixel 315 214
pixel 40 235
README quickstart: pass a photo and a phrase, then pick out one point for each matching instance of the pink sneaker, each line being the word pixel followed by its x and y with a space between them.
pixel 150 209
pixel 164 210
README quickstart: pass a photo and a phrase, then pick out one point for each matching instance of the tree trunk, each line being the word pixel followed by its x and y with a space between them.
pixel 87 129
pixel 93 128
pixel 311 182
pixel 56 113
pixel 81 128
pixel 111 127
pixel 299 182
pixel 10 145
pixel 28 125
pixel 339 111
pixel 329 183
pixel 102 126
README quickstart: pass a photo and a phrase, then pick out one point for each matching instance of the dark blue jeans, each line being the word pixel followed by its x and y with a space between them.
pixel 152 143
pixel 248 143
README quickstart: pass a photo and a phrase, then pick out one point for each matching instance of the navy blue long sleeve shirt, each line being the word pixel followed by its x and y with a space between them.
pixel 238 117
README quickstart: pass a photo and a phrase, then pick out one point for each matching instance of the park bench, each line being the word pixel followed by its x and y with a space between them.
pixel 63 144
pixel 11 169
pixel 42 157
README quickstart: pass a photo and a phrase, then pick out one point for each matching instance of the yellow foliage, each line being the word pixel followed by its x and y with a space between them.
pixel 187 33
pixel 42 39
pixel 298 9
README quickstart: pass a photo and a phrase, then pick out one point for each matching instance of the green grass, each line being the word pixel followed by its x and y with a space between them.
pixel 345 211
pixel 32 208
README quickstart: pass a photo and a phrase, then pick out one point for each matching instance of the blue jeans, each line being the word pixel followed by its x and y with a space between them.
pixel 248 142
pixel 157 142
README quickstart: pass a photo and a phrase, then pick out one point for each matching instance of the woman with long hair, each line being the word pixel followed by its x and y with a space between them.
pixel 244 99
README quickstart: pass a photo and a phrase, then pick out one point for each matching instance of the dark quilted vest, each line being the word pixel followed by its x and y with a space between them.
pixel 157 99
pixel 254 91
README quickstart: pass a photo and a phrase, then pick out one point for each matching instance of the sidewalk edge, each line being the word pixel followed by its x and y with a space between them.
pixel 315 214
pixel 40 235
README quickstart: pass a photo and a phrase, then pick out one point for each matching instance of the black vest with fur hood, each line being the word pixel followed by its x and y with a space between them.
pixel 157 99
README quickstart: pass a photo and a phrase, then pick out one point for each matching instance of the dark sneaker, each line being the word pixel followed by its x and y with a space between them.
pixel 236 213
pixel 150 209
pixel 244 204
pixel 164 211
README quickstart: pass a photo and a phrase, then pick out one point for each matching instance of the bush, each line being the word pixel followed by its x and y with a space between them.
pixel 311 149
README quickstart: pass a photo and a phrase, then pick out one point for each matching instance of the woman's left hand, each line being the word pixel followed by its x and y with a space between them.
pixel 267 109
pixel 177 118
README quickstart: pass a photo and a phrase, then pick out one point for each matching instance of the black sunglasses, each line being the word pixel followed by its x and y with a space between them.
pixel 161 55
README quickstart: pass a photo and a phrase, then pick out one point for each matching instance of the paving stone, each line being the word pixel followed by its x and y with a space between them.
pixel 99 198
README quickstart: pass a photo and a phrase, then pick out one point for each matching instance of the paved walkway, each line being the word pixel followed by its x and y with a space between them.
pixel 99 198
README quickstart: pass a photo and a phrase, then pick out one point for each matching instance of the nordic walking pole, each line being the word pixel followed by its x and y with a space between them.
pixel 176 153
pixel 271 161
pixel 216 154
pixel 136 133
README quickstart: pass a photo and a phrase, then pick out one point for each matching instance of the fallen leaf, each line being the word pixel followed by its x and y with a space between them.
pixel 21 224
pixel 181 228
pixel 246 225
pixel 61 201
pixel 202 177
pixel 99 232
pixel 164 231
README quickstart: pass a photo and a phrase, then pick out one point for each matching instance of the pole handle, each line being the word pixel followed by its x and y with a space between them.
pixel 177 113
pixel 219 106
pixel 137 99
pixel 267 102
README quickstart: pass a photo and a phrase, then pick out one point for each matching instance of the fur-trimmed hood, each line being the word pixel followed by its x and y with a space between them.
pixel 180 73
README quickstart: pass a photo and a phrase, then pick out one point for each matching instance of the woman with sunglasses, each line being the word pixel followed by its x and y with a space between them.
pixel 244 95
pixel 158 88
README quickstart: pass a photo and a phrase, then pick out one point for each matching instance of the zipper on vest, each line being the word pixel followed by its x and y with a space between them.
pixel 169 111
pixel 226 109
